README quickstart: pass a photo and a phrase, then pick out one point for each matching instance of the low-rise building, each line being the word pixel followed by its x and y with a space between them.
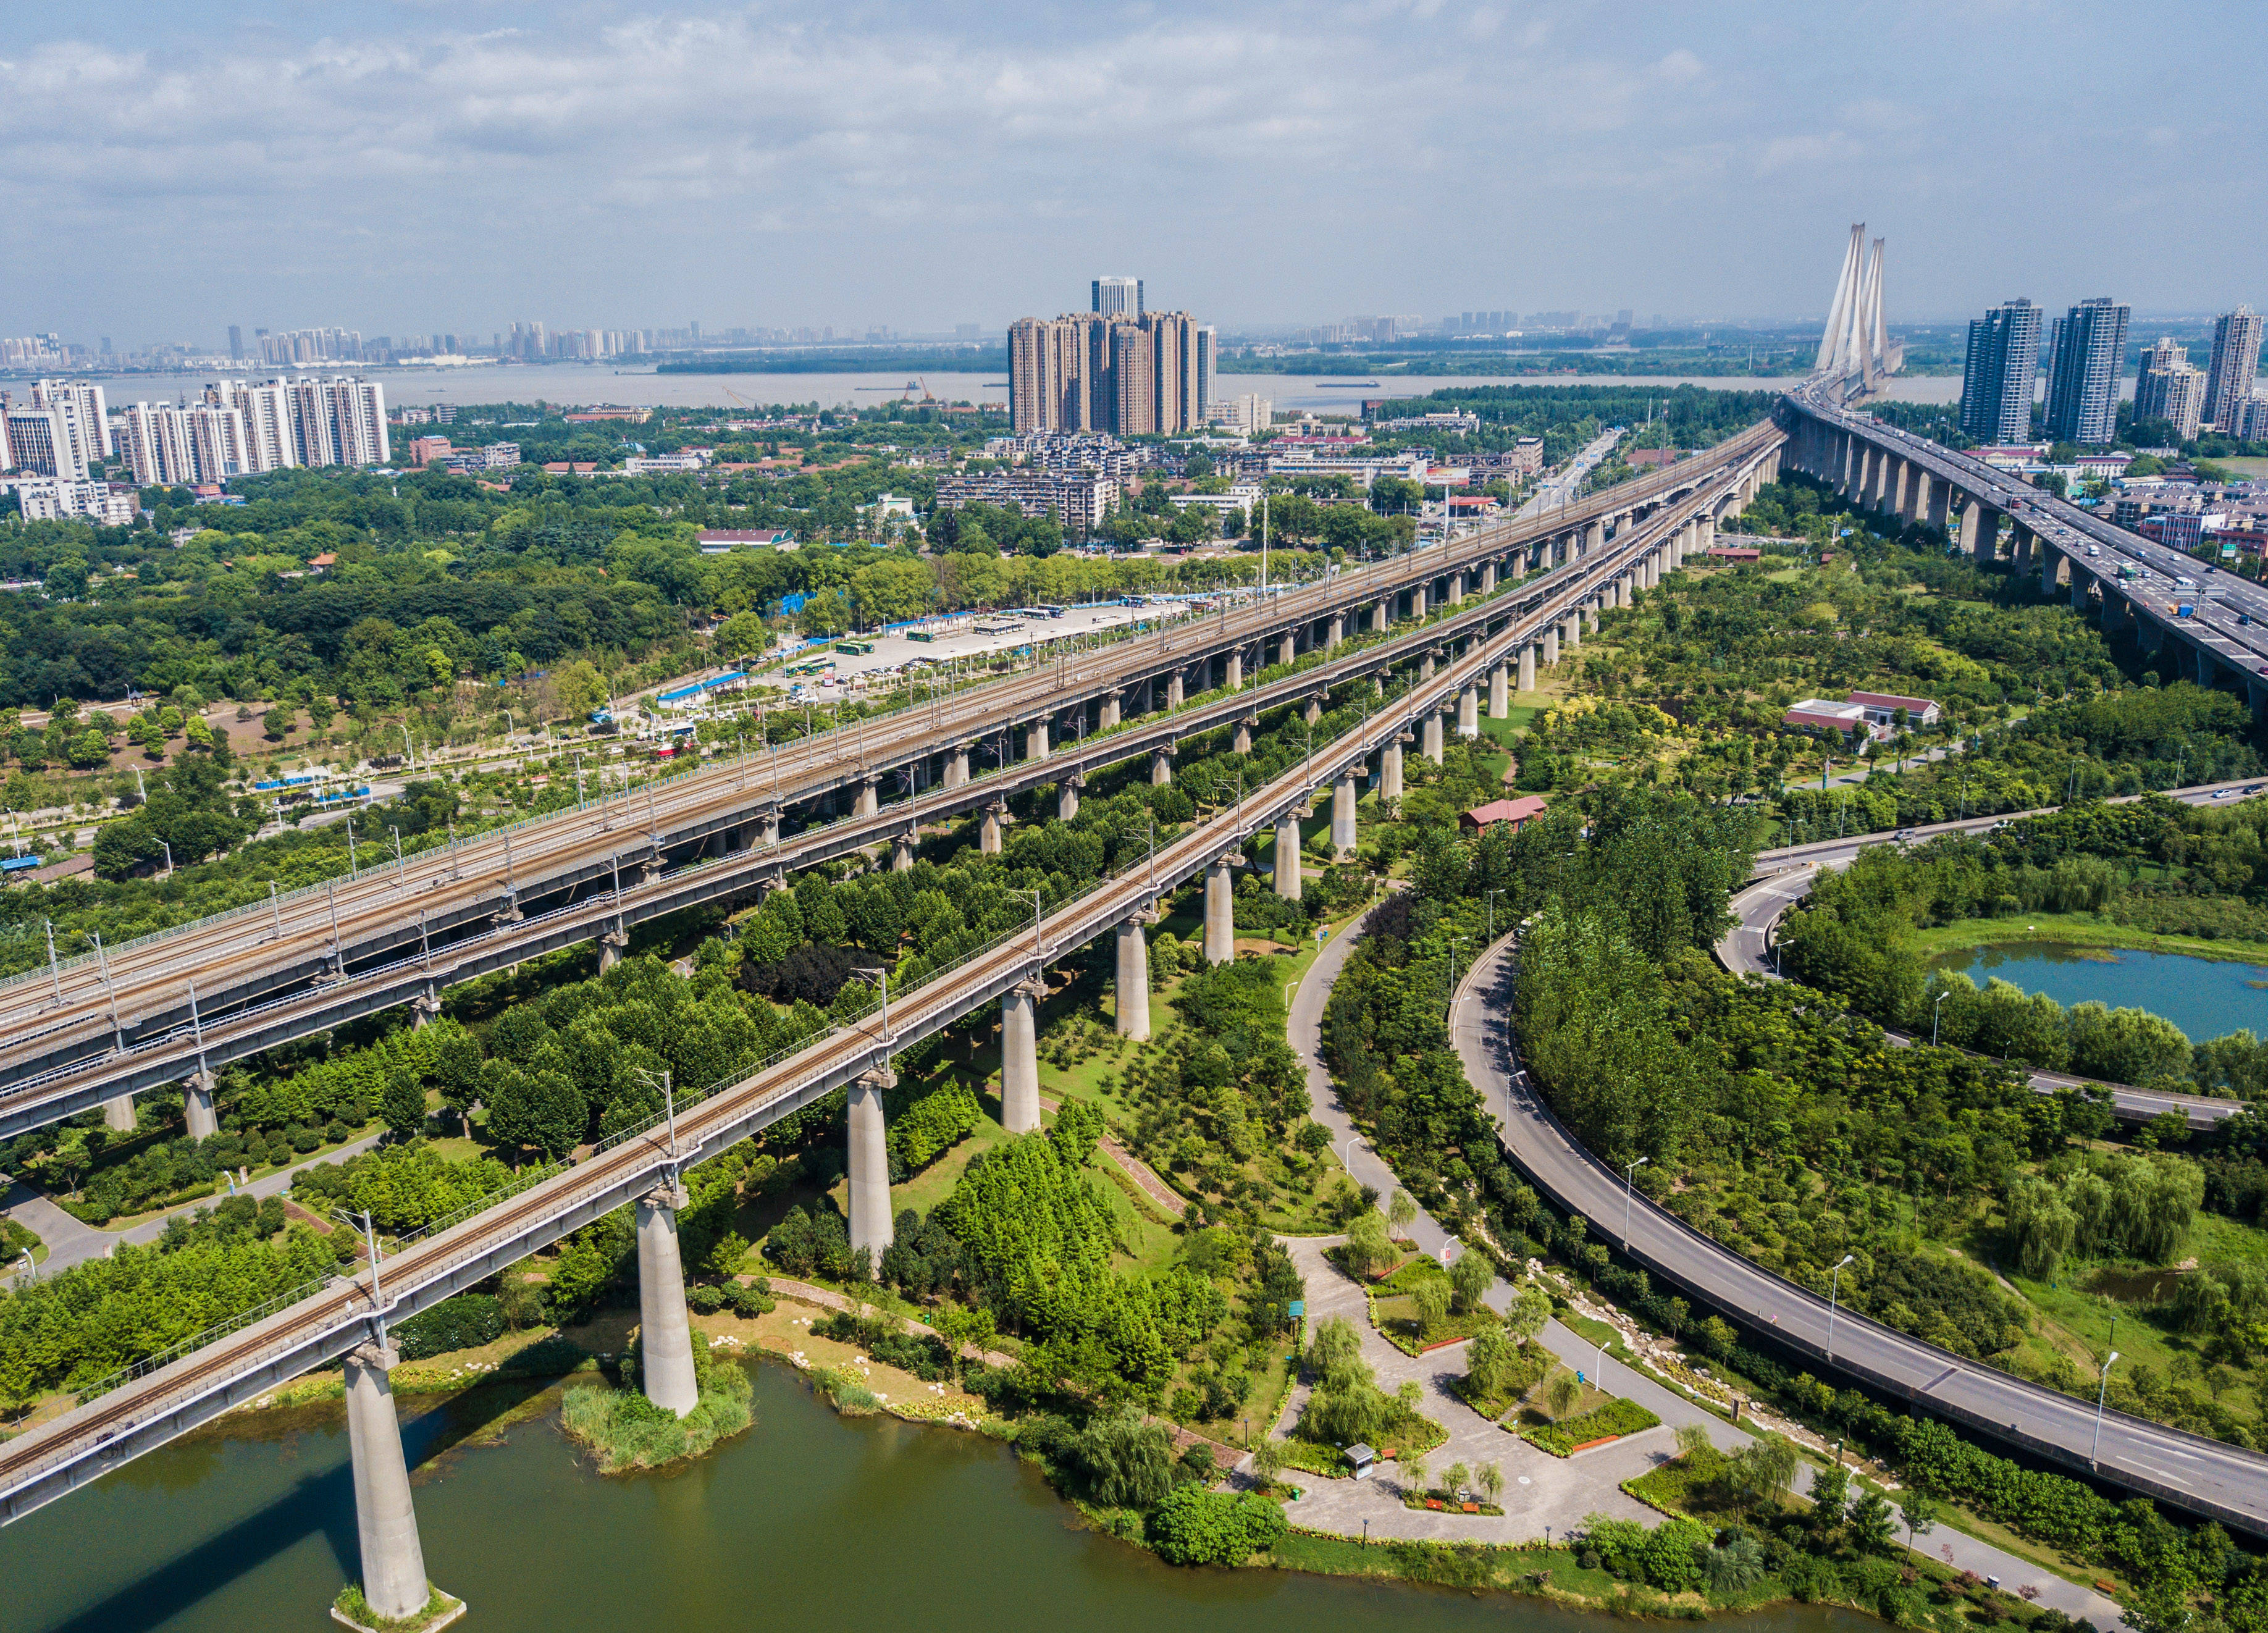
pixel 722 541
pixel 1079 502
pixel 1514 814
pixel 1818 714
pixel 107 504
pixel 1883 706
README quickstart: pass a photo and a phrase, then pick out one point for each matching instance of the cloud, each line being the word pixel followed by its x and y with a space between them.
pixel 878 161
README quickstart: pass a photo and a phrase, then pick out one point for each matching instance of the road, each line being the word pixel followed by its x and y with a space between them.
pixel 1544 1495
pixel 1555 493
pixel 1745 949
pixel 2184 1471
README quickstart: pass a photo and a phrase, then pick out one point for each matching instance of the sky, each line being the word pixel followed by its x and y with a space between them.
pixel 398 167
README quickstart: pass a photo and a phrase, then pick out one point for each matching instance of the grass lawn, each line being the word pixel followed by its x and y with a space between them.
pixel 2080 929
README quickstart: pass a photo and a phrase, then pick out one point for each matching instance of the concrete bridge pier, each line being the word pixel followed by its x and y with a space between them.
pixel 1417 600
pixel 1067 795
pixel 1241 739
pixel 1591 616
pixel 1551 650
pixel 956 766
pixel 1457 588
pixel 1235 678
pixel 1980 532
pixel 1219 911
pixel 612 943
pixel 1430 735
pixel 2079 583
pixel 1528 667
pixel 118 1114
pixel 1342 829
pixel 1335 632
pixel 1488 577
pixel 2020 546
pixel 386 1520
pixel 1390 766
pixel 1108 716
pixel 1036 740
pixel 1287 650
pixel 1653 565
pixel 870 1162
pixel 1570 630
pixel 197 1105
pixel 2256 690
pixel 1594 536
pixel 1133 980
pixel 1284 860
pixel 870 794
pixel 988 836
pixel 1314 710
pixel 1381 615
pixel 1174 689
pixel 665 1333
pixel 901 852
pixel 1162 767
pixel 1469 711
pixel 1499 690
pixel 1019 1058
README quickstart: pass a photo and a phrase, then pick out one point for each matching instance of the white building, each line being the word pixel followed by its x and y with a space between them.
pixel 1247 413
pixel 46 500
pixel 85 401
pixel 242 429
pixel 44 442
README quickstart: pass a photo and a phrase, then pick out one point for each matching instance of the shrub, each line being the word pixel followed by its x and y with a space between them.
pixel 1193 1527
pixel 464 1322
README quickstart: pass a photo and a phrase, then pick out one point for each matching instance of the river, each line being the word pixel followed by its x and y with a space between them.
pixel 598 382
pixel 2205 997
pixel 808 1521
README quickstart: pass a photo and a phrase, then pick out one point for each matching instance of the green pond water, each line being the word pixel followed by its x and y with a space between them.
pixel 2205 997
pixel 809 1522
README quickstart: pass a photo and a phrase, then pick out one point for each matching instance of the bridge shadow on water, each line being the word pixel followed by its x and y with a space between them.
pixel 321 1504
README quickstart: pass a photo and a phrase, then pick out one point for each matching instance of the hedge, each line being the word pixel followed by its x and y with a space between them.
pixel 1617 1417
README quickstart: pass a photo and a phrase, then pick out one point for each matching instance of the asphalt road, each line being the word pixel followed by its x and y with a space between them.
pixel 2189 1472
pixel 1747 948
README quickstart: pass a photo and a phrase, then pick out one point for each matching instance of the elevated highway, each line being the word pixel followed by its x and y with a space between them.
pixel 175 1006
pixel 1895 473
pixel 154 1402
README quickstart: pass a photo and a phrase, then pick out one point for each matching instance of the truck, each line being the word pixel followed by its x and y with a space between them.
pixel 2187 609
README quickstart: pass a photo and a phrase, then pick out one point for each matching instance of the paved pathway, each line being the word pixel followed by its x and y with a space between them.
pixel 1145 1177
pixel 70 1241
pixel 1560 1491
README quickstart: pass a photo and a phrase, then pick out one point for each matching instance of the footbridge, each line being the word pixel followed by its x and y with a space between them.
pixel 177 1005
pixel 348 1317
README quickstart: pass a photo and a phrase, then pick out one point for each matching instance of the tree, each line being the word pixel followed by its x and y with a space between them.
pixel 1413 1474
pixel 1470 1277
pixel 1529 1309
pixel 1400 1211
pixel 1873 1528
pixel 580 688
pixel 1491 1477
pixel 1918 1509
pixel 1457 1478
pixel 402 1106
pixel 1767 1467
pixel 1268 1459
pixel 1432 1297
pixel 1560 1394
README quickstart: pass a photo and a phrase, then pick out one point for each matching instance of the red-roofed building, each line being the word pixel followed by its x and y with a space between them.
pixel 1881 706
pixel 1517 812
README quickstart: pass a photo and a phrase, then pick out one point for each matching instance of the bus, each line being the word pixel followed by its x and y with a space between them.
pixel 855 649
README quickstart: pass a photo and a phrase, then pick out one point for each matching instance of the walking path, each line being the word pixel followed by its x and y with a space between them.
pixel 1544 1495
pixel 1145 1177
pixel 71 1241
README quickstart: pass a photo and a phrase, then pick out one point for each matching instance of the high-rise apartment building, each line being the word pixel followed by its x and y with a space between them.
pixel 240 428
pixel 1149 375
pixel 2167 388
pixel 1997 374
pixel 2089 351
pixel 43 441
pixel 2236 365
pixel 236 342
pixel 1118 298
pixel 1208 357
pixel 90 416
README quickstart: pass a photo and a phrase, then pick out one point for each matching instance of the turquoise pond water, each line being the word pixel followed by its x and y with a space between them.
pixel 2205 997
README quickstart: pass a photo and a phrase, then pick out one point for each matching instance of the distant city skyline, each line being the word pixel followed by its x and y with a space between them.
pixel 184 165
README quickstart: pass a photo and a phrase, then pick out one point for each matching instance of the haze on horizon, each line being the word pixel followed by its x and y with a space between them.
pixel 414 165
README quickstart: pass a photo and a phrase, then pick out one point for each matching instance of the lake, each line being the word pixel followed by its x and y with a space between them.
pixel 808 1521
pixel 599 382
pixel 2205 997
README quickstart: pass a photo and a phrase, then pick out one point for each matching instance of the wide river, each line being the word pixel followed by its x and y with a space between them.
pixel 807 1522
pixel 594 383
pixel 2205 997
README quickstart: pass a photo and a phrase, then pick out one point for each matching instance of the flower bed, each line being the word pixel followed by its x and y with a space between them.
pixel 1617 1418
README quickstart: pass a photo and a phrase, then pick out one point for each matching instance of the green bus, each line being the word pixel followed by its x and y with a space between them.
pixel 855 649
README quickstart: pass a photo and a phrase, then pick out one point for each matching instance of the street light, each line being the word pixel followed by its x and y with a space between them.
pixel 1834 1287
pixel 881 980
pixel 2101 1396
pixel 1933 1016
pixel 1630 1176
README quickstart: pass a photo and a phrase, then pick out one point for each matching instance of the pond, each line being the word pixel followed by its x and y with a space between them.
pixel 808 1521
pixel 2205 997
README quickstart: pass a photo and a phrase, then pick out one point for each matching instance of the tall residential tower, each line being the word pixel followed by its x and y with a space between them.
pixel 1996 377
pixel 2088 351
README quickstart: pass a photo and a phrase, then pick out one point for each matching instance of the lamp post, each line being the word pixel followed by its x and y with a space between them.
pixel 1630 1178
pixel 881 980
pixel 1834 1288
pixel 2102 1394
pixel 1933 1016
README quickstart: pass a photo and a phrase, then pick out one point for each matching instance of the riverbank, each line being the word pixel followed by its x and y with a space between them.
pixel 2077 930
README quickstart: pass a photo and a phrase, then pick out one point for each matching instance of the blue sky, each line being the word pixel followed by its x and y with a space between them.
pixel 172 166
